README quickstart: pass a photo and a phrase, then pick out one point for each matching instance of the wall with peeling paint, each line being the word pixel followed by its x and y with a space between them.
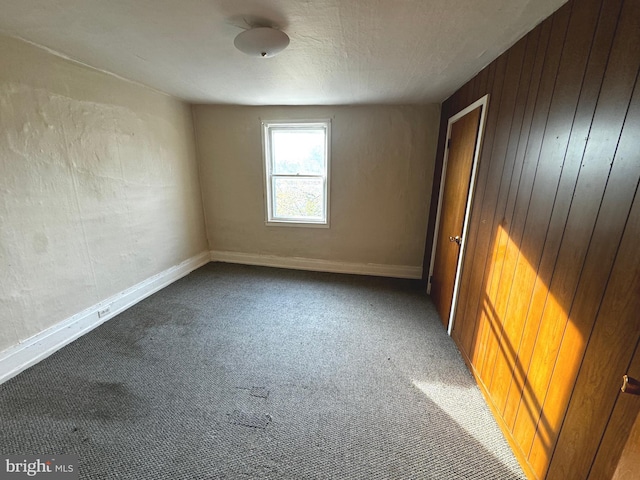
pixel 99 188
pixel 381 174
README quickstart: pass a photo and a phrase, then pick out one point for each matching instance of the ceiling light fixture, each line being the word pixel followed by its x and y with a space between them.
pixel 261 41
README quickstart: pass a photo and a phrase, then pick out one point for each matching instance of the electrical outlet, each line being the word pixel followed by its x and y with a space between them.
pixel 104 311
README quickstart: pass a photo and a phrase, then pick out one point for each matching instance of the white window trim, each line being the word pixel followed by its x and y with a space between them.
pixel 266 165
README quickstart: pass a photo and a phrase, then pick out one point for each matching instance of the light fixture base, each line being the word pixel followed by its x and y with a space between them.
pixel 262 42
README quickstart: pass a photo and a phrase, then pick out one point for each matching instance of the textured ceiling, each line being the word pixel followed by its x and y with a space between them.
pixel 341 51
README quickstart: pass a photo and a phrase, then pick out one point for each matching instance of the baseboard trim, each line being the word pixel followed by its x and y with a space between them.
pixel 316 265
pixel 29 352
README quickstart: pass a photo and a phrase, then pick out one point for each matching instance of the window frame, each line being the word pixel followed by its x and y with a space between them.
pixel 268 126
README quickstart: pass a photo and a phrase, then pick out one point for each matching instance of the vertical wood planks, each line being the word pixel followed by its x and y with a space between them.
pixel 550 230
pixel 558 269
pixel 606 184
pixel 505 361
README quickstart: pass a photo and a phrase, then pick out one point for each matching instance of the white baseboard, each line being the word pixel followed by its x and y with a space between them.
pixel 29 352
pixel 297 263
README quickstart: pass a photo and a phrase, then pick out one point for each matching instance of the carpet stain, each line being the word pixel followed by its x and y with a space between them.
pixel 260 392
pixel 174 318
pixel 246 419
pixel 73 399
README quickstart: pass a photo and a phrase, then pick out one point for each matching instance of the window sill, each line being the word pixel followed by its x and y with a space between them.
pixel 284 223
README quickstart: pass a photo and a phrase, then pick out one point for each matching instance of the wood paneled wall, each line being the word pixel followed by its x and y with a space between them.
pixel 548 313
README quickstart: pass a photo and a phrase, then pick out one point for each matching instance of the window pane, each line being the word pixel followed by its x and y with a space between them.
pixel 299 198
pixel 298 152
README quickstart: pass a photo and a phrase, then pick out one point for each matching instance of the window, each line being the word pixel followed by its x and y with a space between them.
pixel 296 156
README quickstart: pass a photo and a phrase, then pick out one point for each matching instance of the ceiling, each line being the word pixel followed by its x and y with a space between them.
pixel 341 51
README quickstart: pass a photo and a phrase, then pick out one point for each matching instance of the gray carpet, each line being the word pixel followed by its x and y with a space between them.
pixel 245 372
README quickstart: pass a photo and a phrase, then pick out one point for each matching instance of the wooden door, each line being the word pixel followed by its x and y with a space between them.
pixel 618 457
pixel 457 171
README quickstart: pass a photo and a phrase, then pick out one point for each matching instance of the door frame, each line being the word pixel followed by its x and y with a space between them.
pixel 482 102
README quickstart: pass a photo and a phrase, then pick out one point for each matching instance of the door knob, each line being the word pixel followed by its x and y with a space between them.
pixel 456 239
pixel 630 385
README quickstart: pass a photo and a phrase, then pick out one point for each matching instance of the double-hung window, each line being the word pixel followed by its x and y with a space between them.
pixel 296 159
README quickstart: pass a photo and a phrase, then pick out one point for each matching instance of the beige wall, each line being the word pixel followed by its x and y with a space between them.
pixel 98 188
pixel 381 174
